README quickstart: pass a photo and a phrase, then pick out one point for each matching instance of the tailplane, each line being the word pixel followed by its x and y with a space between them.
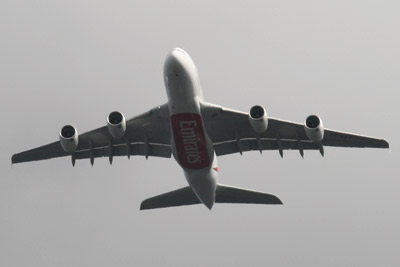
pixel 180 197
pixel 224 194
pixel 229 194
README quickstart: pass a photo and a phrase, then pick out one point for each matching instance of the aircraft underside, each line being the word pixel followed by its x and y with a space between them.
pixel 195 133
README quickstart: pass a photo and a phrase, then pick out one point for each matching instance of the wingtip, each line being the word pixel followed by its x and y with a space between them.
pixel 13 160
pixel 143 205
pixel 277 201
pixel 386 144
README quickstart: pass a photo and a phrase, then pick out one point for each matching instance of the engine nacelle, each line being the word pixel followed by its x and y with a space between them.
pixel 116 124
pixel 314 128
pixel 258 119
pixel 69 138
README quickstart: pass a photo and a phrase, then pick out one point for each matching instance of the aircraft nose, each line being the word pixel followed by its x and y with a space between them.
pixel 175 57
pixel 177 49
pixel 176 61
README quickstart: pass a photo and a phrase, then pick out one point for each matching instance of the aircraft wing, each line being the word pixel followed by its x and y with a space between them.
pixel 231 132
pixel 148 134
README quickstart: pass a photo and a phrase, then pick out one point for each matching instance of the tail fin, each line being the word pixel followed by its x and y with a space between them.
pixel 224 194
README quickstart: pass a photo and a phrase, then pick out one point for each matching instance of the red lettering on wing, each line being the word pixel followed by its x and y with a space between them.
pixel 190 140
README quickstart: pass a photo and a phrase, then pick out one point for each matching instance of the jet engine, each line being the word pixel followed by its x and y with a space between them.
pixel 258 119
pixel 314 128
pixel 69 138
pixel 116 124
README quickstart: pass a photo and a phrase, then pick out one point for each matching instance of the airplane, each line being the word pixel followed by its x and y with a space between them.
pixel 195 132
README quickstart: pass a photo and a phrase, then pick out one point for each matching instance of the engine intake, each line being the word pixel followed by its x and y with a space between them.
pixel 258 119
pixel 69 138
pixel 116 124
pixel 314 128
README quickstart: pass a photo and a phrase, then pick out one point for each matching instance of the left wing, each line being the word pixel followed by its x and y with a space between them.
pixel 148 134
pixel 231 132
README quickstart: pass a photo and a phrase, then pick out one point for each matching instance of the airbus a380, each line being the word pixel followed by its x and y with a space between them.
pixel 195 133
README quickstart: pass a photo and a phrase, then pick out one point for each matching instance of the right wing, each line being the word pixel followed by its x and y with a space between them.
pixel 148 134
pixel 231 132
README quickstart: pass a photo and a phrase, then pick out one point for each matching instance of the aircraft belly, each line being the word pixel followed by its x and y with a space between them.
pixel 190 141
pixel 191 147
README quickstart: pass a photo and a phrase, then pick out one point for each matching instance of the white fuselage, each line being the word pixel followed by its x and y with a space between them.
pixel 191 147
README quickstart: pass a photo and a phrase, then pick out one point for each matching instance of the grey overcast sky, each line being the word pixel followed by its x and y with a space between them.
pixel 75 61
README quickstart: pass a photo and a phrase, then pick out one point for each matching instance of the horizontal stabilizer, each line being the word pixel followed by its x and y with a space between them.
pixel 224 194
pixel 180 197
pixel 228 194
